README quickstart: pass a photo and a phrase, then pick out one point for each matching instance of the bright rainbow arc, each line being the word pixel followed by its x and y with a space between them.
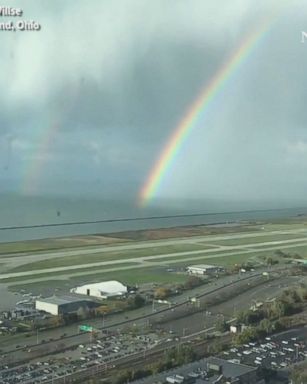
pixel 199 106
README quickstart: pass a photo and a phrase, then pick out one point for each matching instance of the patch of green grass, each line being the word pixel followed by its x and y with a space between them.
pixel 282 246
pixel 66 261
pixel 239 258
pixel 36 246
pixel 39 286
pixel 22 248
pixel 222 260
pixel 258 239
pixel 137 276
pixel 285 225
pixel 64 272
pixel 131 276
pixel 301 250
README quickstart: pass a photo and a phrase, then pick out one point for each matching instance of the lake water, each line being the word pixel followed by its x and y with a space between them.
pixel 19 211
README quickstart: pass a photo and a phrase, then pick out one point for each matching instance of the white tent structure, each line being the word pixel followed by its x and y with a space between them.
pixel 102 290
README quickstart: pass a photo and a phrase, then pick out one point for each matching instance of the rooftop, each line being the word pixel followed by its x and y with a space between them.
pixel 111 286
pixel 61 300
pixel 229 370
pixel 202 266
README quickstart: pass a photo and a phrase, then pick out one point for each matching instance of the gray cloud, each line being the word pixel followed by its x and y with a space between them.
pixel 115 78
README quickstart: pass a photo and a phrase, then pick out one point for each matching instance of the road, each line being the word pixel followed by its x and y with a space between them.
pixel 138 317
pixel 118 318
pixel 184 327
pixel 211 314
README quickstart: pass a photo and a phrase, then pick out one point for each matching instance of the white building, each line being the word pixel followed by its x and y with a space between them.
pixel 203 269
pixel 102 290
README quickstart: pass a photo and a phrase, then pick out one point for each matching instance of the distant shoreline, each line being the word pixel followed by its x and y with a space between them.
pixel 114 226
pixel 124 219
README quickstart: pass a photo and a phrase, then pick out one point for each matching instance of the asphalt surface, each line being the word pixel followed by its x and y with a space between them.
pixel 211 314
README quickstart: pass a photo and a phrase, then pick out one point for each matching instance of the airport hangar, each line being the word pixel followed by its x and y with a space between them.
pixel 103 290
pixel 64 304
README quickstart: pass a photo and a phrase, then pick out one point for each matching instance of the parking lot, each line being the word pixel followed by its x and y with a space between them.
pixel 100 353
pixel 276 352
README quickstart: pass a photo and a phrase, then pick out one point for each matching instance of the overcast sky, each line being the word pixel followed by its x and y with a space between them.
pixel 88 102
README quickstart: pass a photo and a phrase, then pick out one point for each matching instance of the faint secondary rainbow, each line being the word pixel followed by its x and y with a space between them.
pixel 43 142
pixel 35 169
pixel 199 106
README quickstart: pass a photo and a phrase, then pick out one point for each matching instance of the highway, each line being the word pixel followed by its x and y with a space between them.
pixel 114 321
pixel 264 289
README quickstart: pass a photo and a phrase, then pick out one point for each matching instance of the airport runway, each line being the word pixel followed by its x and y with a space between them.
pixel 198 240
pixel 156 260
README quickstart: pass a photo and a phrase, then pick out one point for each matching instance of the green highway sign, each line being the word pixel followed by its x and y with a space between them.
pixel 86 328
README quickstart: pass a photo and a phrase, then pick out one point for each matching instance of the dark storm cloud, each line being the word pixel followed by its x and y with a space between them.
pixel 116 78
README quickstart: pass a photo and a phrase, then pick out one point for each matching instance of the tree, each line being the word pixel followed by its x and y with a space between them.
pixel 280 253
pixel 266 326
pixel 221 326
pixel 247 335
pixel 162 293
pixel 298 376
pixel 193 282
pixel 137 301
pixel 271 261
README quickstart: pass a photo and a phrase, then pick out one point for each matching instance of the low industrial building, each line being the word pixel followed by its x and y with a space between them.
pixel 61 305
pixel 211 370
pixel 103 290
pixel 203 269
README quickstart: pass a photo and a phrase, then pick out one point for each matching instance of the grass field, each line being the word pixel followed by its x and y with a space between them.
pixel 257 239
pixel 115 238
pixel 157 273
pixel 56 244
pixel 139 276
pixel 130 277
pixel 299 245
pixel 219 259
pixel 41 287
pixel 284 226
pixel 216 256
pixel 107 256
pixel 77 271
pixel 143 252
pixel 222 260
